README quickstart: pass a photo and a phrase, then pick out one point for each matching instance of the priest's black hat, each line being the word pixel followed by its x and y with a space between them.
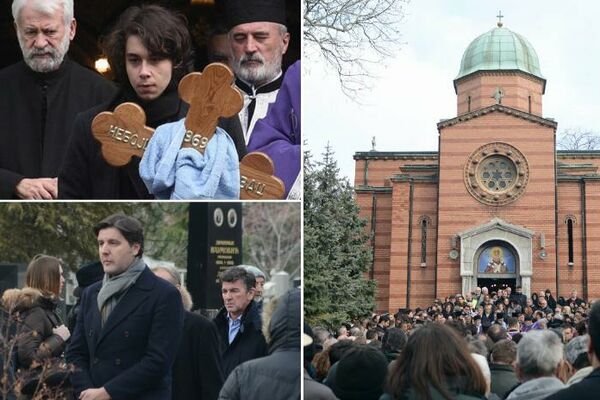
pixel 245 11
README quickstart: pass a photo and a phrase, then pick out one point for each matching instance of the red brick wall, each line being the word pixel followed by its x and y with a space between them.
pixel 459 211
pixel 517 89
pixel 398 247
pixel 423 278
pixel 380 171
pixel 383 226
pixel 569 204
pixel 593 237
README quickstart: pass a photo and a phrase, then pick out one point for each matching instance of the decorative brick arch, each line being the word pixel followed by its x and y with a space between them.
pixel 520 238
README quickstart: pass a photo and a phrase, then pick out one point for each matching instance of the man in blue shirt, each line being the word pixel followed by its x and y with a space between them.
pixel 238 321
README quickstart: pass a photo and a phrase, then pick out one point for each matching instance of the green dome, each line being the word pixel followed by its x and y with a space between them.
pixel 500 49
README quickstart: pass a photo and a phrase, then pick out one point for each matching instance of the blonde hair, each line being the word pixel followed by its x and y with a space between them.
pixel 43 273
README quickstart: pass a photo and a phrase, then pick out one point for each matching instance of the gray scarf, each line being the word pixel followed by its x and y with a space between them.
pixel 114 287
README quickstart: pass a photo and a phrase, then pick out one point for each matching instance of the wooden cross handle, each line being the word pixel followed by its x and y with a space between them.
pixel 211 95
pixel 257 179
pixel 122 134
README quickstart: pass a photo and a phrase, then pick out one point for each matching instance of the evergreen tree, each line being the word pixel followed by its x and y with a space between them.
pixel 336 247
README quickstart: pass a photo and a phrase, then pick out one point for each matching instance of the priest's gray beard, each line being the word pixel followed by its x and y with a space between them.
pixel 260 75
pixel 52 57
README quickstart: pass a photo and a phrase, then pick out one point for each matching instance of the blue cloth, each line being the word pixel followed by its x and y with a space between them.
pixel 171 172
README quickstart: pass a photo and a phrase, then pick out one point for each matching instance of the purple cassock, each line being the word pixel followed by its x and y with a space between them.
pixel 278 134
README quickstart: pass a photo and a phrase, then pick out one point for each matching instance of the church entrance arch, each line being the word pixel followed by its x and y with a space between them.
pixel 497 265
pixel 478 244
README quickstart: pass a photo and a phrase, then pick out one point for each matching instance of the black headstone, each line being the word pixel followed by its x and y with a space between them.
pixel 214 244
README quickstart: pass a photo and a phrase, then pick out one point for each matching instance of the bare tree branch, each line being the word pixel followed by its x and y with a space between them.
pixel 578 139
pixel 272 236
pixel 352 36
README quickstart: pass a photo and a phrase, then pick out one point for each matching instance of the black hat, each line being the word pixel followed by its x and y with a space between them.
pixel 360 374
pixel 244 11
pixel 87 275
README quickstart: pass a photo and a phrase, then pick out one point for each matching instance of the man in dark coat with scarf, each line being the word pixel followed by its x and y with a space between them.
pixel 129 326
pixel 276 376
pixel 150 50
pixel 238 322
pixel 40 97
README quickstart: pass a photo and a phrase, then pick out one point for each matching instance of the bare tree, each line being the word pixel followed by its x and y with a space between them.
pixel 272 236
pixel 578 139
pixel 352 36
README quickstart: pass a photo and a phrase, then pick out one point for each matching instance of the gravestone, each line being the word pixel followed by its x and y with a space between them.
pixel 214 245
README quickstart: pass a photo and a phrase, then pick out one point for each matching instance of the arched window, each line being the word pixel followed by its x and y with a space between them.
pixel 529 104
pixel 424 223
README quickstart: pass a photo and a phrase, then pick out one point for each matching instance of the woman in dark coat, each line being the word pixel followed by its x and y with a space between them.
pixel 40 334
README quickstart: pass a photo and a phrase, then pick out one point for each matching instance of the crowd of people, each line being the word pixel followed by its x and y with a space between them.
pixel 133 336
pixel 481 345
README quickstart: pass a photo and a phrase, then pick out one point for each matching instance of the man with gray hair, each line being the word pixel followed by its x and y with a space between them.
pixel 577 357
pixel 40 97
pixel 259 38
pixel 539 354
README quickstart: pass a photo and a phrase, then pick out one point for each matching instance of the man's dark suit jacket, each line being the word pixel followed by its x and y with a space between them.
pixel 131 356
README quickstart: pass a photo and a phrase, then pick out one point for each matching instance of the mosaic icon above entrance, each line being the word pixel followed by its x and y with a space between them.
pixel 496 174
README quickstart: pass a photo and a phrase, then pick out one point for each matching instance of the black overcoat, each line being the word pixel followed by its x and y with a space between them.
pixel 132 354
pixel 36 116
pixel 248 344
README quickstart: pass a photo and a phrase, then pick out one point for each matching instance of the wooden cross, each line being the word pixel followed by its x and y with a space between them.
pixel 257 179
pixel 122 134
pixel 211 95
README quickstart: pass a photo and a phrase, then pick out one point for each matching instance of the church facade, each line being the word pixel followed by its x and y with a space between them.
pixel 497 205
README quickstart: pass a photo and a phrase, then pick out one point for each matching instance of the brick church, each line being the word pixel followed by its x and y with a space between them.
pixel 497 205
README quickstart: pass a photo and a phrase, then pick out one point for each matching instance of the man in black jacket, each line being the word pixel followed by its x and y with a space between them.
pixel 280 370
pixel 589 386
pixel 238 322
pixel 197 371
pixel 150 50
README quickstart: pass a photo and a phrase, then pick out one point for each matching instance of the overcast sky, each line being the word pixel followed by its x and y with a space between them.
pixel 415 90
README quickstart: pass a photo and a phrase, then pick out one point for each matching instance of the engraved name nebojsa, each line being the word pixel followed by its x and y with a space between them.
pixel 123 135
